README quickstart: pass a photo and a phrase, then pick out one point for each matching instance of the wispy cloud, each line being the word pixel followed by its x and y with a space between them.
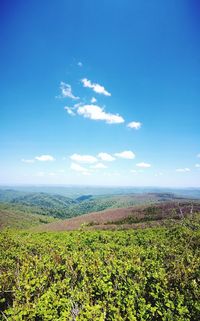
pixel 135 125
pixel 198 155
pixel 87 159
pixel 93 100
pixel 127 154
pixel 197 165
pixel 80 64
pixel 45 158
pixel 143 165
pixel 28 161
pixel 95 87
pixel 79 168
pixel 40 174
pixel 70 110
pixel 106 157
pixel 52 174
pixel 183 170
pixel 158 174
pixel 99 166
pixel 95 112
pixel 135 171
pixel 61 171
pixel 66 91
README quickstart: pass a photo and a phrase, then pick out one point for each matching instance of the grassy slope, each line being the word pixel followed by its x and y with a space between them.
pixel 21 217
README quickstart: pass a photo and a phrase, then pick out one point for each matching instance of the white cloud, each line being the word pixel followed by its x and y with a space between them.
pixel 93 100
pixel 95 87
pixel 143 165
pixel 66 91
pixel 45 158
pixel 40 174
pixel 28 161
pixel 127 154
pixel 88 159
pixel 135 171
pixel 198 155
pixel 95 112
pixel 106 157
pixel 80 64
pixel 79 168
pixel 183 170
pixel 135 125
pixel 197 165
pixel 159 174
pixel 70 111
pixel 99 166
pixel 52 174
pixel 86 173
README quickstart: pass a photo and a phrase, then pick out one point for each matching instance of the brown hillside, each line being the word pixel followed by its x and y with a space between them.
pixel 126 216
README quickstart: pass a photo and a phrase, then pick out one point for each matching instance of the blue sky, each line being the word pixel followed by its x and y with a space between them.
pixel 100 92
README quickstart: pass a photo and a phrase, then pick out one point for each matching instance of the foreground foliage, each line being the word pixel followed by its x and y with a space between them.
pixel 151 274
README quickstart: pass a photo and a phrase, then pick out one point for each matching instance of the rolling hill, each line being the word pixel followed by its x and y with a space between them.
pixel 59 206
pixel 131 217
pixel 24 209
pixel 21 217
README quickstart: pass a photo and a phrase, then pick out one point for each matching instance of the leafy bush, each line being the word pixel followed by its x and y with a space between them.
pixel 142 275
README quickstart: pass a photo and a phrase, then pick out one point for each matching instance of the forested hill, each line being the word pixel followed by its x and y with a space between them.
pixel 59 206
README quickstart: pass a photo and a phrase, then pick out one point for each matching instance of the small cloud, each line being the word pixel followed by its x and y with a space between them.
pixel 127 154
pixel 198 155
pixel 135 125
pixel 159 174
pixel 134 171
pixel 93 100
pixel 80 64
pixel 86 173
pixel 197 165
pixel 78 168
pixel 70 111
pixel 28 161
pixel 95 112
pixel 61 171
pixel 143 165
pixel 52 174
pixel 66 91
pixel 40 174
pixel 99 166
pixel 45 158
pixel 106 157
pixel 95 87
pixel 88 159
pixel 183 170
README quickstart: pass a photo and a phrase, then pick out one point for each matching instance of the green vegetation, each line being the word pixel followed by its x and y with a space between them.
pixel 143 275
pixel 21 217
pixel 59 206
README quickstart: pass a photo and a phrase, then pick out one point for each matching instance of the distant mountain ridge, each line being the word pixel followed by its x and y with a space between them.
pixel 62 207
